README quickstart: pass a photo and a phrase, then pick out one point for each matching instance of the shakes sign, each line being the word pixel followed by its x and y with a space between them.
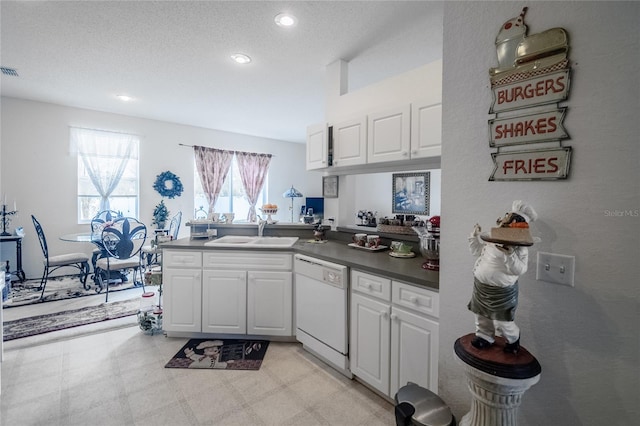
pixel 531 80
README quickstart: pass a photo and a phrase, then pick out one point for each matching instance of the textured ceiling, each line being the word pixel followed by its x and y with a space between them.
pixel 173 57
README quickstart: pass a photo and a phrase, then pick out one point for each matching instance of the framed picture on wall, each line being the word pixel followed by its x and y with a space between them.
pixel 410 193
pixel 330 186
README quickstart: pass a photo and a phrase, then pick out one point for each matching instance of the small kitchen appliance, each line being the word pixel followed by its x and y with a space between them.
pixel 430 243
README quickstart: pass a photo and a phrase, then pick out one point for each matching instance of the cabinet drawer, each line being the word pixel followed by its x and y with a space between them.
pixel 372 285
pixel 416 298
pixel 254 260
pixel 182 258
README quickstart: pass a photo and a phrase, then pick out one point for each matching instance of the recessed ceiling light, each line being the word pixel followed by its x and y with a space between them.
pixel 241 58
pixel 124 98
pixel 286 20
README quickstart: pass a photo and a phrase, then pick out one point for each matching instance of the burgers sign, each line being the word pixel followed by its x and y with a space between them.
pixel 531 79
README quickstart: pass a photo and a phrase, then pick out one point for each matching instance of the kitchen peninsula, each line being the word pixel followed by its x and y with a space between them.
pixel 389 307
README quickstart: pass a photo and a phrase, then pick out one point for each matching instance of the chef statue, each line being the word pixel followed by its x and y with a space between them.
pixel 503 257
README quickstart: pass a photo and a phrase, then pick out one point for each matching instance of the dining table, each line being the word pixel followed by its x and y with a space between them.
pixel 82 237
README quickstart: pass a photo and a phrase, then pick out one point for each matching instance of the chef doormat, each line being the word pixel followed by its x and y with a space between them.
pixel 228 354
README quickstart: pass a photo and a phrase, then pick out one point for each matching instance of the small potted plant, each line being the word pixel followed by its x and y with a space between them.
pixel 160 215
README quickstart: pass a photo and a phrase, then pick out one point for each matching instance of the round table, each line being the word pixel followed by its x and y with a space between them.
pixel 82 237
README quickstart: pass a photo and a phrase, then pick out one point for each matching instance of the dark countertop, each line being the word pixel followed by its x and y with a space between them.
pixel 379 263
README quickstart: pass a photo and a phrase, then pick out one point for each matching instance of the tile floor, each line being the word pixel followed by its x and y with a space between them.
pixel 113 374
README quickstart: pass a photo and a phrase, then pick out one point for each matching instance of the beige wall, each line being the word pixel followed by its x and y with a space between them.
pixel 586 337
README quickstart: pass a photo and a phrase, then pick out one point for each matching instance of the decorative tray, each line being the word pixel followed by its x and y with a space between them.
pixel 379 248
pixel 402 255
pixel 393 229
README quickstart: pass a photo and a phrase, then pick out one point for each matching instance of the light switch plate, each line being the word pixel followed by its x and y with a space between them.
pixel 556 268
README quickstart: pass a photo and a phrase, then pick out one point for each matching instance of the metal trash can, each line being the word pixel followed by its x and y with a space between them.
pixel 416 405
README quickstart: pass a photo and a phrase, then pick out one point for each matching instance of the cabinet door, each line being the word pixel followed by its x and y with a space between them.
pixel 414 351
pixel 388 137
pixel 317 146
pixel 370 340
pixel 181 299
pixel 224 295
pixel 350 142
pixel 270 303
pixel 426 130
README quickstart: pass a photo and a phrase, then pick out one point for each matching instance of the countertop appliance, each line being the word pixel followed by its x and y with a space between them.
pixel 321 290
pixel 430 243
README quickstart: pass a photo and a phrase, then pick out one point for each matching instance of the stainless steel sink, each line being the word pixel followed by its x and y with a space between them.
pixel 246 241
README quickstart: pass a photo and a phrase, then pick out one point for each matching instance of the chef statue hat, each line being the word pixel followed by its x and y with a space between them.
pixel 525 210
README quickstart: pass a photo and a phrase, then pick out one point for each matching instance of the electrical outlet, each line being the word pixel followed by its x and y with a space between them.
pixel 556 268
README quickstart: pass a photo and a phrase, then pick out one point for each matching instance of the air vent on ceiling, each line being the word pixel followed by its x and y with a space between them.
pixel 9 71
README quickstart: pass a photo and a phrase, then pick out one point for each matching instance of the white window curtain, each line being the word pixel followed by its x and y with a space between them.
pixel 253 172
pixel 213 166
pixel 105 156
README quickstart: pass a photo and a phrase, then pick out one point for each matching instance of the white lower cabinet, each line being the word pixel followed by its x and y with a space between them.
pixel 370 341
pixel 270 303
pixel 181 300
pixel 181 291
pixel 394 335
pixel 414 350
pixel 228 292
pixel 224 302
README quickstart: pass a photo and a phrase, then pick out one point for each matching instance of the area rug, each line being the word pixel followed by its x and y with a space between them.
pixel 41 324
pixel 228 354
pixel 59 288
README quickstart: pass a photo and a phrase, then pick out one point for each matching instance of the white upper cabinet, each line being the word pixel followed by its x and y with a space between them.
pixel 389 135
pixel 409 132
pixel 350 142
pixel 317 146
pixel 426 129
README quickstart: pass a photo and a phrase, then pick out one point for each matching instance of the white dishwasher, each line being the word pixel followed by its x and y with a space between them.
pixel 322 290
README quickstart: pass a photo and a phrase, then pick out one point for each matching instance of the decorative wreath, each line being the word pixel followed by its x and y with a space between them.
pixel 168 185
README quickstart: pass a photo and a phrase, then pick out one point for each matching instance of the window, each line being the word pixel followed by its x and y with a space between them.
pixel 108 172
pixel 232 196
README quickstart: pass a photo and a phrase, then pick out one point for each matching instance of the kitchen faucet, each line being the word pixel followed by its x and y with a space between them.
pixel 261 224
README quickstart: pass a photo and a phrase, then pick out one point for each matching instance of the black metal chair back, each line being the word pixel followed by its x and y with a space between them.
pixel 174 226
pixel 101 218
pixel 124 237
pixel 41 238
pixel 79 261
pixel 122 241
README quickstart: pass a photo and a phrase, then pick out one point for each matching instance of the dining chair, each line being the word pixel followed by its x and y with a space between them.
pixel 79 261
pixel 97 224
pixel 122 240
pixel 101 218
pixel 152 252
